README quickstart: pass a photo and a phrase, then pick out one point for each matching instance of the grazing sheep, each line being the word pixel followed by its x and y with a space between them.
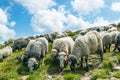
pixel 117 42
pixel 9 41
pixel 83 32
pixel 29 45
pixel 107 40
pixel 45 42
pixel 5 52
pixel 112 29
pixel 48 37
pixel 34 55
pixel 113 35
pixel 84 45
pixel 75 37
pixel 19 44
pixel 61 35
pixel 61 49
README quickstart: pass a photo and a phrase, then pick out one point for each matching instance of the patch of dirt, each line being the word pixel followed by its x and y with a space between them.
pixel 24 77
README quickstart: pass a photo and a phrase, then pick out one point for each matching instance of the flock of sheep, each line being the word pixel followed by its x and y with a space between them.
pixel 65 49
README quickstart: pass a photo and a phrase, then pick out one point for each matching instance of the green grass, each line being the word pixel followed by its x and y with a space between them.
pixel 117 74
pixel 98 74
pixel 73 33
pixel 71 76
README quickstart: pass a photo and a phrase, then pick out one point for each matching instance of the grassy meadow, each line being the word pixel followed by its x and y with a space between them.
pixel 12 69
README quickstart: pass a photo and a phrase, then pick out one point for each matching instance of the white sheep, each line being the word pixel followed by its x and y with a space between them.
pixel 112 29
pixel 35 53
pixel 45 42
pixel 5 52
pixel 107 40
pixel 29 44
pixel 117 42
pixel 61 49
pixel 113 35
pixel 61 35
pixel 84 45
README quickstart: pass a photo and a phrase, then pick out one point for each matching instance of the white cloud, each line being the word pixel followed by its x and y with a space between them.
pixel 115 6
pixel 75 23
pixel 12 24
pixel 48 21
pixel 5 32
pixel 84 7
pixel 100 21
pixel 3 17
pixel 45 20
pixel 34 6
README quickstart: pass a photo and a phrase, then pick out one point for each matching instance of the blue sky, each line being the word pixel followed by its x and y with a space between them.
pixel 29 17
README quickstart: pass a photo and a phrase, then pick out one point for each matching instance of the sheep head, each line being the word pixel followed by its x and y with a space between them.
pixel 63 57
pixel 32 64
pixel 72 61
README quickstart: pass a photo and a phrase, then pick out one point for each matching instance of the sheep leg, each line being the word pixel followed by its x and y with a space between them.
pixel 104 49
pixel 81 64
pixel 109 47
pixel 115 48
pixel 87 65
pixel 42 61
pixel 101 55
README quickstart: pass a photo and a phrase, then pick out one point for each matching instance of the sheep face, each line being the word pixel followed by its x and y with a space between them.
pixel 72 62
pixel 32 64
pixel 62 59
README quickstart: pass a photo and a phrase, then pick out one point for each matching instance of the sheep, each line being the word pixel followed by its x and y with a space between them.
pixel 9 41
pixel 117 42
pixel 61 35
pixel 83 32
pixel 106 40
pixel 5 52
pixel 19 44
pixel 61 49
pixel 84 45
pixel 48 37
pixel 44 41
pixel 29 44
pixel 75 37
pixel 34 55
pixel 112 29
pixel 113 35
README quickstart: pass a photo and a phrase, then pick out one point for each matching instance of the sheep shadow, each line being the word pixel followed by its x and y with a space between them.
pixel 53 68
pixel 23 69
